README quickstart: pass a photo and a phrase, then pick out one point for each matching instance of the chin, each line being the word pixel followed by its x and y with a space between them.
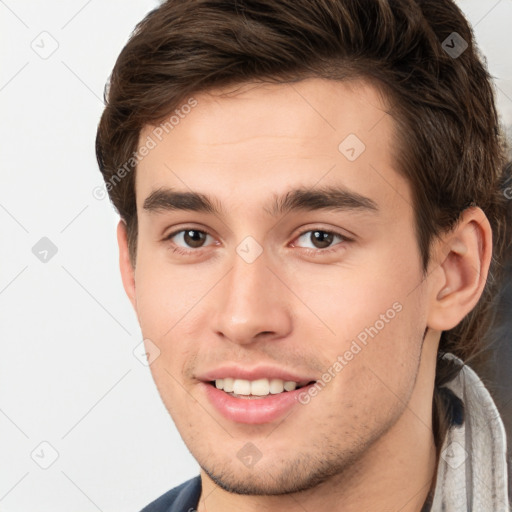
pixel 296 475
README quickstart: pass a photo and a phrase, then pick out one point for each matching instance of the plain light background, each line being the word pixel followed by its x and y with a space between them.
pixel 73 395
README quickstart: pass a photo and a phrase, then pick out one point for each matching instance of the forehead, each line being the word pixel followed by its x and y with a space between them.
pixel 262 137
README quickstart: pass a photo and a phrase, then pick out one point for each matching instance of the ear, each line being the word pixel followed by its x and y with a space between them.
pixel 462 256
pixel 127 271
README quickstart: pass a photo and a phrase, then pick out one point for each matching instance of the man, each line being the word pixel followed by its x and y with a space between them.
pixel 312 223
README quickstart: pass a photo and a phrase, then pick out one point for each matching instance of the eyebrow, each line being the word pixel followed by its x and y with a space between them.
pixel 335 198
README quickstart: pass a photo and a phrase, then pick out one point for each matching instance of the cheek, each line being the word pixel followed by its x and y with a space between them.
pixel 167 305
pixel 170 305
pixel 349 299
pixel 370 365
pixel 167 295
pixel 373 320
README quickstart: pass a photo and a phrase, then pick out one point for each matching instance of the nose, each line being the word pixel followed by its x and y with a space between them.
pixel 252 303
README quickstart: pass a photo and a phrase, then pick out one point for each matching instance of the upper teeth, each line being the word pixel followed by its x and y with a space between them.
pixel 260 387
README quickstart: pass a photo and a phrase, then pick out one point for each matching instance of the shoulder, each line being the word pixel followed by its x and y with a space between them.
pixel 183 498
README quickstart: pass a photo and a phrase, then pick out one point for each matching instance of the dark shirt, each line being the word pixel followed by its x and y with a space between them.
pixel 184 498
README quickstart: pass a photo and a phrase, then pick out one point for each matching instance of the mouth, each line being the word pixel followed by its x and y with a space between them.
pixel 255 395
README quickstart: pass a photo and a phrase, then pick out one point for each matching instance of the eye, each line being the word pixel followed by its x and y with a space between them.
pixel 320 239
pixel 188 239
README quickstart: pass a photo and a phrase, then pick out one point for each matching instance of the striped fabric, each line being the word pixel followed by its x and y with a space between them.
pixel 472 470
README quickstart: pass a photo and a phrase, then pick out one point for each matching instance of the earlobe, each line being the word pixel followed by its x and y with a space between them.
pixel 127 270
pixel 463 268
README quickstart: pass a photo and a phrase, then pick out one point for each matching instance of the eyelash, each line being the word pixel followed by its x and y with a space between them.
pixel 311 252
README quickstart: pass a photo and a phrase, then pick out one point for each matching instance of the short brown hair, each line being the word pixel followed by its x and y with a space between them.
pixel 451 148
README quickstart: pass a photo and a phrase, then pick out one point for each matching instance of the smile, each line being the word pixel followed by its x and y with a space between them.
pixel 243 388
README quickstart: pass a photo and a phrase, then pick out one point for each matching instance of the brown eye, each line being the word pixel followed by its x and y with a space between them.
pixel 319 239
pixel 194 238
pixel 188 238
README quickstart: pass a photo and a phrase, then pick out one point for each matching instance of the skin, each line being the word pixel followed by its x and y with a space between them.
pixel 365 442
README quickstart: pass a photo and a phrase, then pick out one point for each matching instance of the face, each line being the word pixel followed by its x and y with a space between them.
pixel 276 244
